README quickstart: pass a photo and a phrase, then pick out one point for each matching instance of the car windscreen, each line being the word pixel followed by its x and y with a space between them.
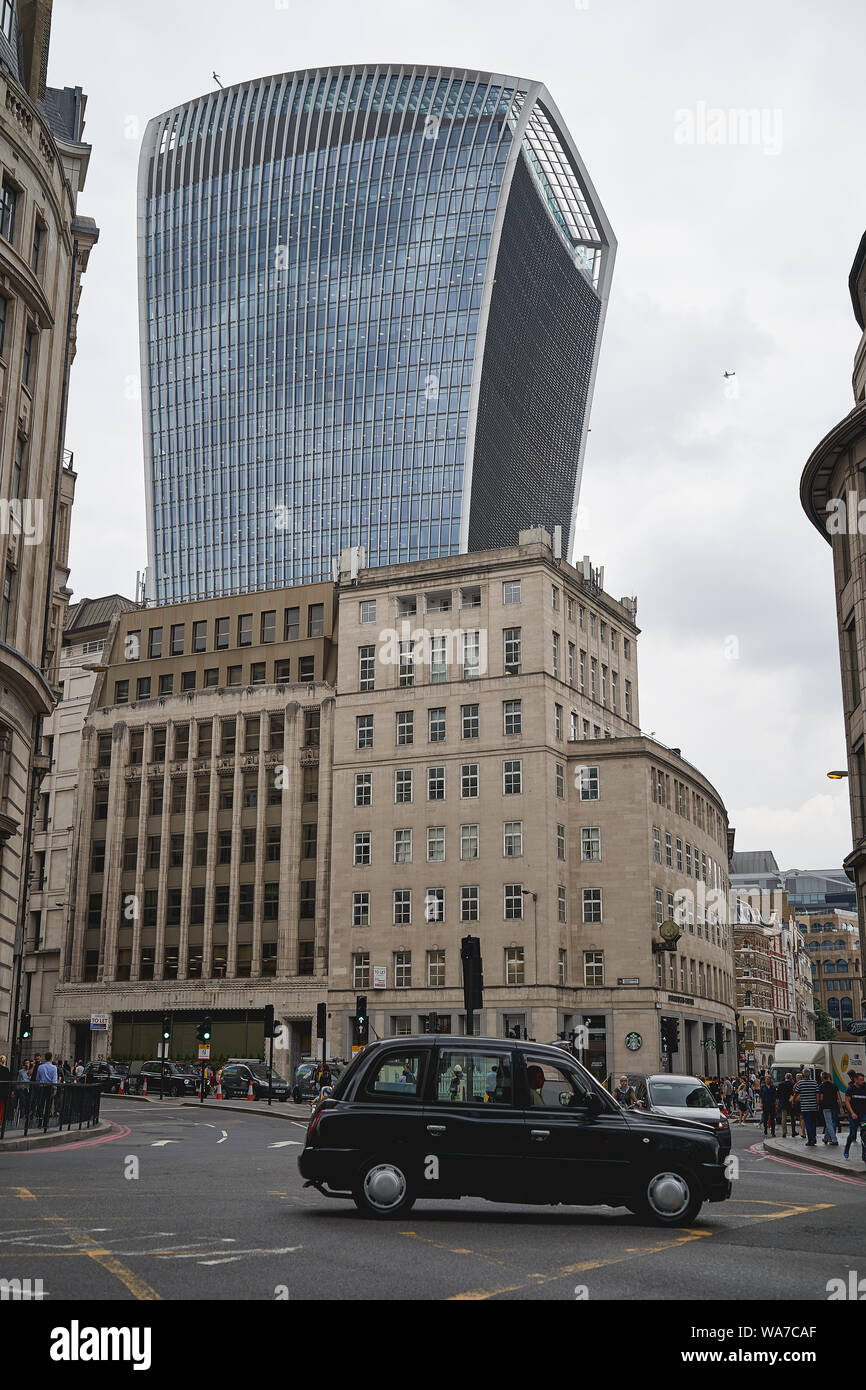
pixel 186 1068
pixel 346 1076
pixel 692 1094
pixel 262 1073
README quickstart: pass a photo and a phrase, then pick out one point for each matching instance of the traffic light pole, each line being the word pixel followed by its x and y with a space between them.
pixel 270 1069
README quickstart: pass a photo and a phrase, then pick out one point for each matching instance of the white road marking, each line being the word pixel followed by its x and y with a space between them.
pixel 224 1137
pixel 284 1143
pixel 222 1255
pixel 161 1143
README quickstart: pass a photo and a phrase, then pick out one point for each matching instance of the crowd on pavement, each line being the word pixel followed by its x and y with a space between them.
pixel 806 1103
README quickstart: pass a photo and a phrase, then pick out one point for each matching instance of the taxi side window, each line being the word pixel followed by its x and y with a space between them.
pixel 398 1076
pixel 473 1078
pixel 553 1088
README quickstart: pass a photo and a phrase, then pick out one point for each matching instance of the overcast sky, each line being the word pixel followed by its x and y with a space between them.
pixel 732 256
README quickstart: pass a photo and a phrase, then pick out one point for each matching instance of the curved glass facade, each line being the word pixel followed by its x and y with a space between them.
pixel 328 317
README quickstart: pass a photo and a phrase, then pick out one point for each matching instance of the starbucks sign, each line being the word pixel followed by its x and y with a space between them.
pixel 633 1041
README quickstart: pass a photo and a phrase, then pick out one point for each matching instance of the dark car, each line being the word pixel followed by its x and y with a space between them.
pixel 235 1080
pixel 510 1121
pixel 179 1079
pixel 108 1075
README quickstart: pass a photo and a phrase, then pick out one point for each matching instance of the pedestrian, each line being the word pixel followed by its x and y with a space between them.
pixel 625 1094
pixel 742 1103
pixel 728 1095
pixel 785 1091
pixel 769 1099
pixel 828 1098
pixel 79 1071
pixel 855 1101
pixel 5 1073
pixel 807 1090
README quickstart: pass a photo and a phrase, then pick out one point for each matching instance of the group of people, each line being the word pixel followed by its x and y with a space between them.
pixel 804 1102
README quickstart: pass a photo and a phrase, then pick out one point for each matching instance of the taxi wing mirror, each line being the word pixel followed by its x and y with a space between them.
pixel 593 1104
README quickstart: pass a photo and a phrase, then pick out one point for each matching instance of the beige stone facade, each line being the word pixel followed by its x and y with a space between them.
pixel 44 248
pixel 833 942
pixel 490 779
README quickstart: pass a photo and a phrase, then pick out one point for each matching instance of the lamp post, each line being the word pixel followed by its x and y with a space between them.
pixel 528 893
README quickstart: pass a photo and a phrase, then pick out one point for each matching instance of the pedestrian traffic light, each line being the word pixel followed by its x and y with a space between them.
pixel 26 1026
pixel 473 974
pixel 166 1027
pixel 430 1023
pixel 203 1031
pixel 720 1037
pixel 362 1022
pixel 321 1020
pixel 670 1034
pixel 269 1020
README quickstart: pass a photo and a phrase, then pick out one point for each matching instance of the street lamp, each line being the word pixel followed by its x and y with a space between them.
pixel 528 893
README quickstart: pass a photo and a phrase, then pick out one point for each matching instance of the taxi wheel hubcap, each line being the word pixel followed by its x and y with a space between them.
pixel 384 1186
pixel 668 1194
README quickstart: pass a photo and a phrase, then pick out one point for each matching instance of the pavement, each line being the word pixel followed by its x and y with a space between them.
pixel 39 1140
pixel 822 1156
pixel 174 1205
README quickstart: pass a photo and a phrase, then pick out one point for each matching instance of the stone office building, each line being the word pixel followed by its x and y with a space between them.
pixel 203 820
pixel 490 778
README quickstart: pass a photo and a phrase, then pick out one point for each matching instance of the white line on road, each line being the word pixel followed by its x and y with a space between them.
pixel 220 1255
pixel 225 1136
pixel 161 1143
pixel 284 1144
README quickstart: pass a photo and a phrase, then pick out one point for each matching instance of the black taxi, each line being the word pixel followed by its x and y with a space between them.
pixel 522 1122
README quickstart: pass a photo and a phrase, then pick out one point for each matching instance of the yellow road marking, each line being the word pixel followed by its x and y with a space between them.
pixel 24 1193
pixel 94 1251
pixel 688 1235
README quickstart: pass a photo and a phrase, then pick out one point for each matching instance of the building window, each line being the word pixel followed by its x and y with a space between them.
pixel 434 905
pixel 556 655
pixel 436 725
pixel 362 847
pixel 364 730
pixel 593 967
pixel 435 843
pixel 660 907
pixel 561 903
pixel 469 904
pixel 657 844
pixel 512 839
pixel 363 788
pixel 628 701
pixel 469 721
pixel 366 668
pixel 438 660
pixel 559 779
pixel 436 969
pixel 121 689
pixel 402 969
pixel 512 901
pixel 435 784
pixel 471 655
pixel 590 843
pixel 557 721
pixel 405 727
pixel 291 624
pixel 316 620
pixel 669 850
pixel 511 639
pixel 360 909
pixel 361 970
pixel 469 842
pixel 403 846
pixel 8 204
pixel 469 780
pixel 4 309
pixel 403 781
pixel 512 777
pixel 402 907
pixel 221 634
pixel 367 611
pixel 592 905
pixel 562 964
pixel 589 784
pixel 406 675
pixel 511 591
pixel 514 965
pixel 176 639
pixel 560 842
pixel 512 716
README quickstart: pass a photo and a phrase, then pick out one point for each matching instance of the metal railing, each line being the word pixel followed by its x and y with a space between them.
pixel 29 1107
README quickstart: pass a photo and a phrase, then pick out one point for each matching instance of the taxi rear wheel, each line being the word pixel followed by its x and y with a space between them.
pixel 383 1191
pixel 669 1197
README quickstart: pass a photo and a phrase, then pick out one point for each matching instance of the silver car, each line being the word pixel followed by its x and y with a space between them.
pixel 683 1098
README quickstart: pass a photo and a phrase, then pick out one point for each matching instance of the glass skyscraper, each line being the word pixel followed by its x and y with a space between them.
pixel 371 300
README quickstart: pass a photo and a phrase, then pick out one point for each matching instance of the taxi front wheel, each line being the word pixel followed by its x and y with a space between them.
pixel 669 1197
pixel 383 1191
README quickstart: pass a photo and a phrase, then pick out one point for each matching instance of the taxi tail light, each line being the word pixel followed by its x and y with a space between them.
pixel 314 1124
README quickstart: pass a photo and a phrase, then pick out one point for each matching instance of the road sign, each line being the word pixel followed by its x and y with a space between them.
pixel 204 1052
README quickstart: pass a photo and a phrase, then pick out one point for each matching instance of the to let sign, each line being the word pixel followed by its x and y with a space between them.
pixel 99 1023
pixel 380 977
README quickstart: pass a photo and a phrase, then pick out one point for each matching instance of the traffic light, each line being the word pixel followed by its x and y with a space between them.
pixel 166 1027
pixel 269 1020
pixel 430 1023
pixel 321 1020
pixel 26 1026
pixel 203 1031
pixel 670 1034
pixel 473 974
pixel 362 1022
pixel 720 1037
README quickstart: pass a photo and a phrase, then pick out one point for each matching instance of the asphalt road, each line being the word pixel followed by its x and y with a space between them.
pixel 196 1205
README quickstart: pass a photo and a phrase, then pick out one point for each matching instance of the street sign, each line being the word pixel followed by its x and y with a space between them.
pixel 99 1023
pixel 204 1052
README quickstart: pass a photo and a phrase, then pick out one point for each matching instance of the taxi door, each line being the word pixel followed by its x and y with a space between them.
pixel 474 1128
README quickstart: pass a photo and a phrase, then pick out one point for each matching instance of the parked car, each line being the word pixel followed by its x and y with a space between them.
pixel 304 1087
pixel 236 1076
pixel 180 1078
pixel 510 1121
pixel 108 1075
pixel 683 1097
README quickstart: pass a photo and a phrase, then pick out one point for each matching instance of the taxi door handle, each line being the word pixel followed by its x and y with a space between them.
pixel 540 1134
pixel 436 1130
